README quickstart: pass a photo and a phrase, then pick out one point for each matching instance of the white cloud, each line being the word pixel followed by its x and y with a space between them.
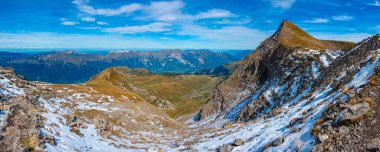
pixel 342 18
pixel 64 21
pixel 317 20
pixel 165 14
pixel 53 40
pixel 214 13
pixel 69 23
pixel 88 19
pixel 84 7
pixel 101 23
pixel 284 4
pixel 153 27
pixel 159 11
pixel 164 10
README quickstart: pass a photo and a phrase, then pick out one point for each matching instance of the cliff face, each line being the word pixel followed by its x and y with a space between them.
pixel 266 65
pixel 300 93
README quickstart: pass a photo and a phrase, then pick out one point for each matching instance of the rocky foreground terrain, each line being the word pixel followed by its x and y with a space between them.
pixel 294 93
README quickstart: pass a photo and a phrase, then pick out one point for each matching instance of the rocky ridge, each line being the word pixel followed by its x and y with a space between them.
pixel 293 79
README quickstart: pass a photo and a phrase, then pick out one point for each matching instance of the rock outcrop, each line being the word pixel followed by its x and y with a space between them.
pixel 294 85
pixel 266 65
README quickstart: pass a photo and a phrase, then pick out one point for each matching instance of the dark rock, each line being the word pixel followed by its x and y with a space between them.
pixel 294 121
pixel 278 141
pixel 238 142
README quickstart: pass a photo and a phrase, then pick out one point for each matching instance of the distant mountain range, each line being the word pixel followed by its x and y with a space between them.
pixel 76 67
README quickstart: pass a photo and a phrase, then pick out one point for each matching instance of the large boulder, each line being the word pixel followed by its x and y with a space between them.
pixel 278 141
pixel 323 138
pixel 238 142
pixel 353 112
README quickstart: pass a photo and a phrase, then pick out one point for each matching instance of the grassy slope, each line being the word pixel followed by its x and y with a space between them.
pixel 294 37
pixel 186 92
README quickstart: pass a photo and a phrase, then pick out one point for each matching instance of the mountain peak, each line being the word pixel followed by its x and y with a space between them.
pixel 290 35
pixel 288 30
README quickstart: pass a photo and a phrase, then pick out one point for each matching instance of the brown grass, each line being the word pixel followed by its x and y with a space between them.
pixel 316 129
pixel 266 147
pixel 373 80
pixel 186 92
pixel 30 142
pixel 294 37
pixel 370 101
pixel 345 88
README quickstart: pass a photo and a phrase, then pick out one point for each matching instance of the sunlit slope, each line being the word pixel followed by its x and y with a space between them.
pixel 175 93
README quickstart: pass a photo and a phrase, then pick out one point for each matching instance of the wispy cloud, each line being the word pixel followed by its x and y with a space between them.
pixel 159 11
pixel 101 23
pixel 85 7
pixel 342 18
pixel 64 21
pixel 317 20
pixel 88 19
pixel 284 4
pixel 164 10
pixel 214 13
pixel 53 40
pixel 153 27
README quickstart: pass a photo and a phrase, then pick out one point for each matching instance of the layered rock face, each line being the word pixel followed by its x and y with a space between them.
pixel 269 63
pixel 309 94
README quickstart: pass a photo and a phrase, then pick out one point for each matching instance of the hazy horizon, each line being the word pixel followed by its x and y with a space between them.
pixel 107 50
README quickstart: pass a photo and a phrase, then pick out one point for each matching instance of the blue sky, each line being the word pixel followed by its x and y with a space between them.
pixel 211 24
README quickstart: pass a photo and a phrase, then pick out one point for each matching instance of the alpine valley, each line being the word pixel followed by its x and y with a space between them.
pixel 292 93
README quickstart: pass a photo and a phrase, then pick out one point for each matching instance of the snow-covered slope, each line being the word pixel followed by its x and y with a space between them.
pixel 279 95
pixel 306 107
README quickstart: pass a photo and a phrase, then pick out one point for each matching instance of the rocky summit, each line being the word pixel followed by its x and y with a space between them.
pixel 293 93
